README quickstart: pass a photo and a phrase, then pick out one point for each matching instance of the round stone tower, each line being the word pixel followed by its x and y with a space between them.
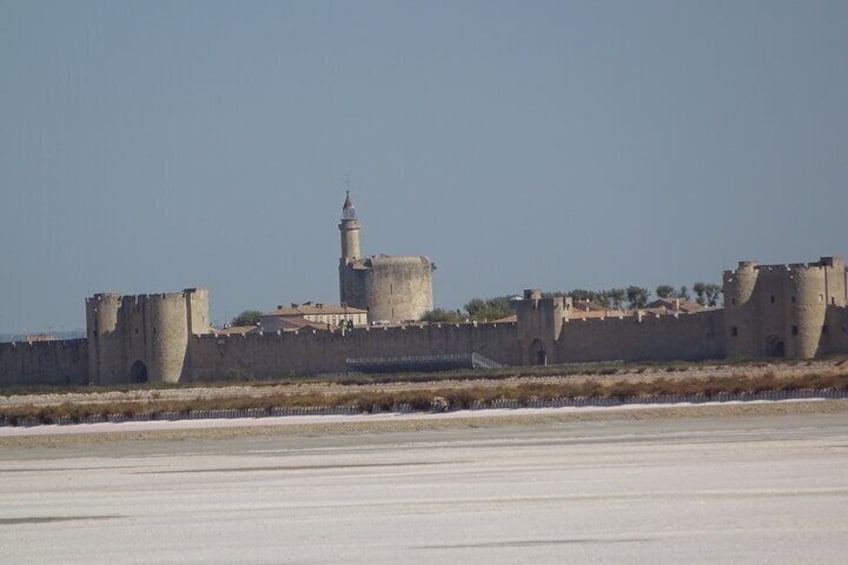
pixel 106 338
pixel 741 310
pixel 399 288
pixel 391 288
pixel 808 313
pixel 146 337
pixel 167 336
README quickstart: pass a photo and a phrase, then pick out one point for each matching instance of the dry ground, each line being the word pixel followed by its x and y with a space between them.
pixel 782 370
pixel 357 424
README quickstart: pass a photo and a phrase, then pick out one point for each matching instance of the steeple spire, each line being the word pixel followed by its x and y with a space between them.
pixel 348 205
pixel 348 210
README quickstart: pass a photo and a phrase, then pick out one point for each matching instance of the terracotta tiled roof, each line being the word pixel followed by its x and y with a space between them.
pixel 587 306
pixel 506 320
pixel 295 323
pixel 676 304
pixel 314 309
pixel 235 330
pixel 612 313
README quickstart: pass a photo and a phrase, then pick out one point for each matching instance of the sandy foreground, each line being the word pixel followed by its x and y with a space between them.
pixel 54 435
pixel 731 483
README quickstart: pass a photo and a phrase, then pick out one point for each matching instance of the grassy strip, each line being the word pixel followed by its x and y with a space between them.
pixel 457 397
pixel 590 369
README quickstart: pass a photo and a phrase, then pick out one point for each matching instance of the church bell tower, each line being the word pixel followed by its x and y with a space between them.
pixel 349 228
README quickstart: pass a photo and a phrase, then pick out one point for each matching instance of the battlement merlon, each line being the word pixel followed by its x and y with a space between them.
pixel 116 295
pixel 831 262
pixel 103 296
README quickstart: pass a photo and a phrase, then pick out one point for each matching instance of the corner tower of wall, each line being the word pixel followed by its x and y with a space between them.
pixel 785 310
pixel 139 338
pixel 808 313
pixel 106 339
pixel 835 338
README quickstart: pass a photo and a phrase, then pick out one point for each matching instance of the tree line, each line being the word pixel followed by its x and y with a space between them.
pixel 487 309
pixel 483 309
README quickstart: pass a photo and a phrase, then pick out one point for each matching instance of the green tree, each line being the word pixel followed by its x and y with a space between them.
pixel 489 309
pixel 618 297
pixel 440 315
pixel 583 295
pixel 683 293
pixel 712 292
pixel 637 296
pixel 247 318
pixel 665 291
pixel 700 293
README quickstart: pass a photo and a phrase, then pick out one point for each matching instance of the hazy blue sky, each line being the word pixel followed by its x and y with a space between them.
pixel 153 146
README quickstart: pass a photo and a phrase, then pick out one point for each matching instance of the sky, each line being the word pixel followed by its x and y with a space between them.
pixel 154 146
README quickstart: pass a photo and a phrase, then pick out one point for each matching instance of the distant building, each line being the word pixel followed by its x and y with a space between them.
pixel 316 315
pixel 672 305
pixel 38 337
pixel 583 309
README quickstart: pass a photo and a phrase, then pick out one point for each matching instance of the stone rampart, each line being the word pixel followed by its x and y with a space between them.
pixel 642 338
pixel 59 362
pixel 270 355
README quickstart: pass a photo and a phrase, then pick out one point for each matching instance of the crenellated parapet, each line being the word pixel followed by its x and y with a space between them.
pixel 50 362
pixel 782 310
pixel 136 338
pixel 643 337
pixel 797 310
pixel 264 355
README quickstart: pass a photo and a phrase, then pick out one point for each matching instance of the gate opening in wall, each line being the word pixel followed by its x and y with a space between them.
pixel 775 347
pixel 138 372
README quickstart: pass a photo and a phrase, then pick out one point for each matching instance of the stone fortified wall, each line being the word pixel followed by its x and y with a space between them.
pixel 796 310
pixel 542 334
pixel 547 335
pixel 60 362
pixel 689 337
pixel 270 355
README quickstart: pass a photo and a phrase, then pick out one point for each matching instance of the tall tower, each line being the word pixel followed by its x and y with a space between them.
pixel 349 228
pixel 351 279
pixel 391 288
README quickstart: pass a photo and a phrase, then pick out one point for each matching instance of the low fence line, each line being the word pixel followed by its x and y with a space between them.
pixel 438 405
